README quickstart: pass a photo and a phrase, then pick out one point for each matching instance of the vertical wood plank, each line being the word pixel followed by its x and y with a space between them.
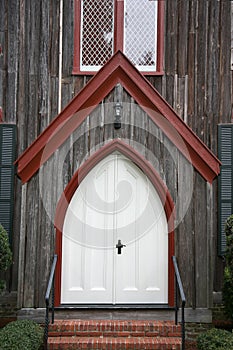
pixel 200 66
pixel 22 83
pixel 68 44
pixel 210 242
pixel 197 83
pixel 109 117
pixel 96 128
pixel 171 37
pixel 185 232
pixel 191 63
pixel 21 261
pixel 201 243
pixel 12 60
pixel 224 66
pixel 45 236
pixel 54 37
pixel 182 35
pixel 44 89
pixel 31 267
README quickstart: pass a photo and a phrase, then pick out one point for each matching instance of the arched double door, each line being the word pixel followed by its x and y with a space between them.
pixel 115 238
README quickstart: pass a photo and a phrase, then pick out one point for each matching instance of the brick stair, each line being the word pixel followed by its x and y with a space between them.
pixel 114 335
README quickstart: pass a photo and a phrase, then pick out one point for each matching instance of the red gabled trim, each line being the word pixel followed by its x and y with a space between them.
pixel 118 70
pixel 81 173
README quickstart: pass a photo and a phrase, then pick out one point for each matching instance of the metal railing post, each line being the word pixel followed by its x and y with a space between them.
pixel 53 302
pixel 46 327
pixel 176 305
pixel 50 288
pixel 179 287
pixel 183 327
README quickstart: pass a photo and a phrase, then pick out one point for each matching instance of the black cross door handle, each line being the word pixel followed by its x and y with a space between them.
pixel 119 246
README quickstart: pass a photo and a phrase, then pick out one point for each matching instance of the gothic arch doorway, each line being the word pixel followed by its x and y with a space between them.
pixel 115 232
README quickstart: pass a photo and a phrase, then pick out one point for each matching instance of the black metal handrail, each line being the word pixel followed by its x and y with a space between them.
pixel 50 288
pixel 179 287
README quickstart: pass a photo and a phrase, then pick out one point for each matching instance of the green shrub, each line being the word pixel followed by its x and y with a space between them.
pixel 215 339
pixel 20 335
pixel 228 271
pixel 229 241
pixel 5 253
pixel 228 292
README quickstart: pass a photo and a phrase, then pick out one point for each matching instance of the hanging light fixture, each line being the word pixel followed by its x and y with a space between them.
pixel 117 120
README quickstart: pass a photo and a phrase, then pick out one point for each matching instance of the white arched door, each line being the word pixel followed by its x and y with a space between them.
pixel 115 202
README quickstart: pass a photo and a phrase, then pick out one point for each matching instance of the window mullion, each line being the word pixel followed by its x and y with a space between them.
pixel 119 26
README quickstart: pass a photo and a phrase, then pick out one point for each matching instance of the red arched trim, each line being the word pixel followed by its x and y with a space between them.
pixel 147 168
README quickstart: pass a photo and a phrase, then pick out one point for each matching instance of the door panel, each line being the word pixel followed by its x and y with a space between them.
pixel 87 258
pixel 142 268
pixel 115 201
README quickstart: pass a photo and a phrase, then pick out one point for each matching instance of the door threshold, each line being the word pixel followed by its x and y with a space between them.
pixel 114 307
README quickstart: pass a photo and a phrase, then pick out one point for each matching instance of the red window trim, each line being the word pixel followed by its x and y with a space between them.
pixel 118 38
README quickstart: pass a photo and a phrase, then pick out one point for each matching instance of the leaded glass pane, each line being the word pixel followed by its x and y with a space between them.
pixel 140 33
pixel 97 25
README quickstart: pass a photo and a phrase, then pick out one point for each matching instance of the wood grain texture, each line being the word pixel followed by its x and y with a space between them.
pixel 197 83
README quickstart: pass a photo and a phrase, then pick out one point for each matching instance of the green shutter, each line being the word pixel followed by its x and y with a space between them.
pixel 7 172
pixel 225 181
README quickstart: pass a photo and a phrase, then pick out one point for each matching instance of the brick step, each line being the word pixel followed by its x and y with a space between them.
pixel 114 328
pixel 109 343
pixel 114 335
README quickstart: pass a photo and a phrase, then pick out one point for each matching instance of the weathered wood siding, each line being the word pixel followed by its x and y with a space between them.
pixel 197 83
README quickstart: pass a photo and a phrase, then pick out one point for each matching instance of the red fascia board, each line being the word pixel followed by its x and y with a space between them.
pixel 63 125
pixel 118 70
pixel 207 164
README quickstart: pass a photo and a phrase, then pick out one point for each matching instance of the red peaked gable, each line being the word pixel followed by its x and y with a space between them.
pixel 118 70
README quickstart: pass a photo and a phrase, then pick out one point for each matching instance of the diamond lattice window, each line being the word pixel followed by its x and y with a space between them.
pixel 105 26
pixel 97 18
pixel 140 34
